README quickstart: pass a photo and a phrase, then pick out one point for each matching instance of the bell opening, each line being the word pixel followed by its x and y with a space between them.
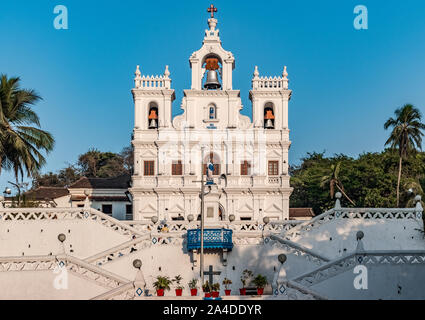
pixel 269 118
pixel 153 117
pixel 212 78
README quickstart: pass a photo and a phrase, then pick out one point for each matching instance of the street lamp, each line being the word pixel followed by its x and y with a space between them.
pixel 6 192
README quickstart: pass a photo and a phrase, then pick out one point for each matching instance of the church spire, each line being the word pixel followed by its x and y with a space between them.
pixel 212 34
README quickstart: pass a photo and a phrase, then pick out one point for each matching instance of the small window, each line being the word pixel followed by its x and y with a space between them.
pixel 149 167
pixel 129 212
pixel 212 113
pixel 107 209
pixel 177 168
pixel 245 218
pixel 80 206
pixel 245 168
pixel 273 168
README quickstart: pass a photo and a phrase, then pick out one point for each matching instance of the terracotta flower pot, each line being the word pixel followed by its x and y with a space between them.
pixel 179 292
pixel 160 292
pixel 215 294
pixel 193 292
pixel 242 292
pixel 227 292
pixel 207 294
pixel 260 291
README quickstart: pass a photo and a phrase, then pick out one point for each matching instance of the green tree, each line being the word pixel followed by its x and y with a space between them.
pixel 97 164
pixel 406 135
pixel 65 177
pixel 21 139
pixel 332 179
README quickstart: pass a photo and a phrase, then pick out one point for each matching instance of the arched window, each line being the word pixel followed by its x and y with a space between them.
pixel 215 160
pixel 212 112
pixel 269 116
pixel 153 116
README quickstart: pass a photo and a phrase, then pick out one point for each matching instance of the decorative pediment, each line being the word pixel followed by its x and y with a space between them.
pixel 175 153
pixel 273 209
pixel 176 209
pixel 148 209
pixel 273 153
pixel 245 209
pixel 148 153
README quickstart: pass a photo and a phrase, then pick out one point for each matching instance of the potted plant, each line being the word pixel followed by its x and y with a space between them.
pixel 179 287
pixel 206 287
pixel 227 283
pixel 260 282
pixel 215 290
pixel 246 276
pixel 161 284
pixel 193 286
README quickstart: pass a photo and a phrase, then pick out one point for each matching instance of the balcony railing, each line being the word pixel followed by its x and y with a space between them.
pixel 213 239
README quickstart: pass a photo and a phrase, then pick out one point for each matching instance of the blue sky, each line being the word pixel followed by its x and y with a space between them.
pixel 345 82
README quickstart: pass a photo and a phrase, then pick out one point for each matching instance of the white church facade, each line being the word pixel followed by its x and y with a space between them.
pixel 250 158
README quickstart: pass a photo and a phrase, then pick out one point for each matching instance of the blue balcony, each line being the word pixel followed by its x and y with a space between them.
pixel 213 239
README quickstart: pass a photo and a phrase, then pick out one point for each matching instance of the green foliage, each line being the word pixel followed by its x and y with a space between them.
pixel 92 164
pixel 193 284
pixel 227 283
pixel 162 283
pixel 21 139
pixel 246 277
pixel 206 287
pixel 260 281
pixel 177 279
pixel 370 180
pixel 215 287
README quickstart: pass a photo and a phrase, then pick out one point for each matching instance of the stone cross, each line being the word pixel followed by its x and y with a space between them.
pixel 210 273
pixel 212 9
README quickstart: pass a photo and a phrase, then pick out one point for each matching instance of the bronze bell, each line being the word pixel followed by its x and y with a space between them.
pixel 212 82
pixel 153 117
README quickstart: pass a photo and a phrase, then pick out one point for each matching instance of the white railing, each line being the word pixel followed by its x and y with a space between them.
pixel 348 262
pixel 126 291
pixel 354 213
pixel 55 214
pixel 273 180
pixel 290 290
pixel 81 268
pixel 270 83
pixel 134 246
pixel 153 82
pixel 300 250
pixel 236 226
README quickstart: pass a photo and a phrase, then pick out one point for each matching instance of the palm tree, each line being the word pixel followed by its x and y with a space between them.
pixel 333 180
pixel 406 135
pixel 21 140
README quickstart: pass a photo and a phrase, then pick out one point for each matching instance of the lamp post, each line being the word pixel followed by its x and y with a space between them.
pixel 6 192
pixel 201 264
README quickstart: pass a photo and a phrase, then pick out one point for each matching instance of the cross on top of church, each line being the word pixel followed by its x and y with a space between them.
pixel 212 9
